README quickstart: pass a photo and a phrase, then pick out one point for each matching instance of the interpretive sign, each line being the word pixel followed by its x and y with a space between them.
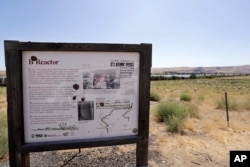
pixel 79 95
pixel 76 95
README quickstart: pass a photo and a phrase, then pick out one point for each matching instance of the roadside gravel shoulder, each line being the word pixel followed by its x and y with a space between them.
pixel 112 156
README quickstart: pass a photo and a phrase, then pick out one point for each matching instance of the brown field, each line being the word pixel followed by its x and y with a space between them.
pixel 2 73
pixel 3 102
pixel 206 139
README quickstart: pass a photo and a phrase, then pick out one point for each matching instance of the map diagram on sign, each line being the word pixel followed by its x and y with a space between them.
pixel 115 116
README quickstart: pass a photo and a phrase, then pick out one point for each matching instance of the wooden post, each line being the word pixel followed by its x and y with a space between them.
pixel 142 145
pixel 227 109
pixel 14 112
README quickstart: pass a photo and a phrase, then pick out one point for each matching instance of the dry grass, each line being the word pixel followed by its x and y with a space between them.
pixel 2 73
pixel 206 139
pixel 3 136
pixel 190 125
pixel 3 106
pixel 3 102
pixel 3 123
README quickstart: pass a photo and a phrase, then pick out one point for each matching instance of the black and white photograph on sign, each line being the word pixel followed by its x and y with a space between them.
pixel 87 81
pixel 102 79
pixel 85 110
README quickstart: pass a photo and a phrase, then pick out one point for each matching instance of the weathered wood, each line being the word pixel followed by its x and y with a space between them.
pixel 144 91
pixel 40 46
pixel 14 112
pixel 71 144
pixel 227 109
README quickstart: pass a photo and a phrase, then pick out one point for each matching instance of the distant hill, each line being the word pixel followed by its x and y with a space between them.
pixel 244 69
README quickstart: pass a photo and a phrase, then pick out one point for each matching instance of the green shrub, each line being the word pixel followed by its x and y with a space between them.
pixel 173 114
pixel 4 135
pixel 175 124
pixel 154 96
pixel 185 97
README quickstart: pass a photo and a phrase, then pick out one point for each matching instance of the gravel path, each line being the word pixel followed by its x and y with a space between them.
pixel 112 156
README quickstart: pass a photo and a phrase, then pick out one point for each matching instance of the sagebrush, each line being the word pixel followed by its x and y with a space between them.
pixel 154 96
pixel 185 97
pixel 173 114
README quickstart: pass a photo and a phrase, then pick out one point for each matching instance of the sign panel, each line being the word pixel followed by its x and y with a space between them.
pixel 79 95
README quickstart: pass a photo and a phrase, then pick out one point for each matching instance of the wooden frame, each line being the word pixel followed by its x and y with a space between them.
pixel 19 150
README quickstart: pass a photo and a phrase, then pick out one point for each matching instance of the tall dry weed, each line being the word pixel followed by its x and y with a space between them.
pixel 4 134
pixel 246 103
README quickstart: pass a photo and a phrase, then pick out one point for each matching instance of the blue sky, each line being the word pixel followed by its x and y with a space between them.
pixel 183 32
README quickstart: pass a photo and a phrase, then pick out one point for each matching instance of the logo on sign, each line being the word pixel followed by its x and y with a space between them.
pixel 35 60
pixel 239 158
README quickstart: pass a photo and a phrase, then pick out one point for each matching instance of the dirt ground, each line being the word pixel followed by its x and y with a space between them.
pixel 206 140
